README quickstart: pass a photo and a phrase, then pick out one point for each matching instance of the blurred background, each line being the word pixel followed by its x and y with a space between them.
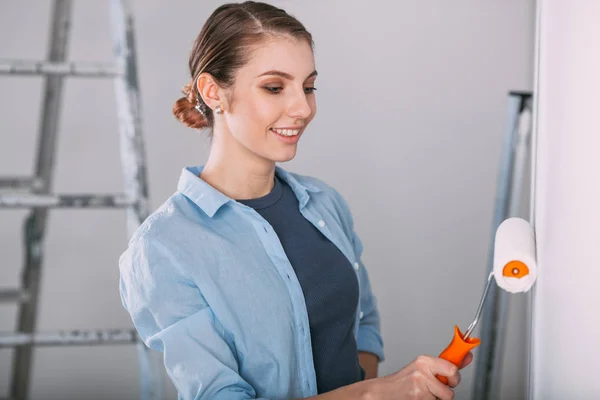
pixel 412 100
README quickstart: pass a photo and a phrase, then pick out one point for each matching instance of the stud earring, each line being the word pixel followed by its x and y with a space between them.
pixel 219 110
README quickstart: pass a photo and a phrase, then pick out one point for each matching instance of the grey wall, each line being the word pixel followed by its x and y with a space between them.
pixel 412 100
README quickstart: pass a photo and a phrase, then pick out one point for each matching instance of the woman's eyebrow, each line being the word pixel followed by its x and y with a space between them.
pixel 285 75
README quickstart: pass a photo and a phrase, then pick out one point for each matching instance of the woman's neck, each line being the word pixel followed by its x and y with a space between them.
pixel 238 173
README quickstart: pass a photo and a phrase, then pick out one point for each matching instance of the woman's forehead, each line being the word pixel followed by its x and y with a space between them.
pixel 289 55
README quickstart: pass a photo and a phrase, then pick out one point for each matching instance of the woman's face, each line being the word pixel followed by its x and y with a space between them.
pixel 273 100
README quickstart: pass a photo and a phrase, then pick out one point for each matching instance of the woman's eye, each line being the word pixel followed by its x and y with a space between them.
pixel 273 89
pixel 278 89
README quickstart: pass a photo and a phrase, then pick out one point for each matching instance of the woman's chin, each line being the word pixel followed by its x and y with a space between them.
pixel 284 156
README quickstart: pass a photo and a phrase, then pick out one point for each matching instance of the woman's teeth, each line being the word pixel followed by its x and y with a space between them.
pixel 286 132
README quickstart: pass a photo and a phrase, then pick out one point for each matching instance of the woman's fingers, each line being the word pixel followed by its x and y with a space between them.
pixel 467 360
pixel 445 368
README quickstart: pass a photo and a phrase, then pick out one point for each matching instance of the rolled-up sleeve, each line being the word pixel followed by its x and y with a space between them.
pixel 171 316
pixel 369 328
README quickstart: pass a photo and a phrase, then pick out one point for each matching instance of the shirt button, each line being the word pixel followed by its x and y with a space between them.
pixel 361 314
pixel 321 223
pixel 356 265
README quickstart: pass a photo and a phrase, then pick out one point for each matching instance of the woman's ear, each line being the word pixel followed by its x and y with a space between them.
pixel 210 91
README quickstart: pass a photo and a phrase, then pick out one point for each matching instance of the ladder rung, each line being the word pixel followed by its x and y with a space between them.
pixel 69 338
pixel 65 201
pixel 19 183
pixel 28 67
pixel 14 296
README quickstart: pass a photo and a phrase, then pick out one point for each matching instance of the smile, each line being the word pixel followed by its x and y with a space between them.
pixel 286 132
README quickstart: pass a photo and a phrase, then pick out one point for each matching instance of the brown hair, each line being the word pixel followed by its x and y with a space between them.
pixel 221 49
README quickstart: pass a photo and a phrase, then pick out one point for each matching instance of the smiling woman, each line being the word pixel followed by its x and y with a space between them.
pixel 270 104
pixel 249 277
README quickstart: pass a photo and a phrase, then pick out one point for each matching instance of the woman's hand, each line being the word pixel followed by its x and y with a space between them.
pixel 417 381
pixel 467 360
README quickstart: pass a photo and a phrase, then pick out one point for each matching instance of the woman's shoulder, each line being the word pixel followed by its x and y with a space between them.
pixel 162 243
pixel 172 229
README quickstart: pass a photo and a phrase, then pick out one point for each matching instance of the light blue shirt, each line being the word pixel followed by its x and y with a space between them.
pixel 206 281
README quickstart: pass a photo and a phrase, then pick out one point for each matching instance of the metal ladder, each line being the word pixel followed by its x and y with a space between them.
pixel 509 190
pixel 34 192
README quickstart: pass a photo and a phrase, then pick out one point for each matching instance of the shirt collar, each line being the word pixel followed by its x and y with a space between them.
pixel 210 200
pixel 300 189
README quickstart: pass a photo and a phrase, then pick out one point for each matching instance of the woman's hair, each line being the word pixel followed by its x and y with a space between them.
pixel 223 46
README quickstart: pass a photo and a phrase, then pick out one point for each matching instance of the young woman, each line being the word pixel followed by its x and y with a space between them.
pixel 249 278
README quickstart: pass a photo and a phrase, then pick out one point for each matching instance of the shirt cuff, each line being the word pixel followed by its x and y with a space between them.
pixel 369 340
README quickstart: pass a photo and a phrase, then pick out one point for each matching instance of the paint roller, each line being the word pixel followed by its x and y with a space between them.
pixel 514 270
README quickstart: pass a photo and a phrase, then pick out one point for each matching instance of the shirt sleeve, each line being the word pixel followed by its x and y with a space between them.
pixel 171 315
pixel 369 328
pixel 369 337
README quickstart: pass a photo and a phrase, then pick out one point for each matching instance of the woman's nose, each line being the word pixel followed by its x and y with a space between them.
pixel 299 106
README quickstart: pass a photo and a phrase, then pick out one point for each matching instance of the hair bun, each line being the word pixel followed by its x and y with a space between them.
pixel 185 109
pixel 190 93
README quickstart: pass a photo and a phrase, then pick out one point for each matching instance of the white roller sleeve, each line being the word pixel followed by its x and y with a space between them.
pixel 515 268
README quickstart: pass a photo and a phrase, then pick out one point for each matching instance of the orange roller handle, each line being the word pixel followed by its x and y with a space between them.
pixel 457 350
